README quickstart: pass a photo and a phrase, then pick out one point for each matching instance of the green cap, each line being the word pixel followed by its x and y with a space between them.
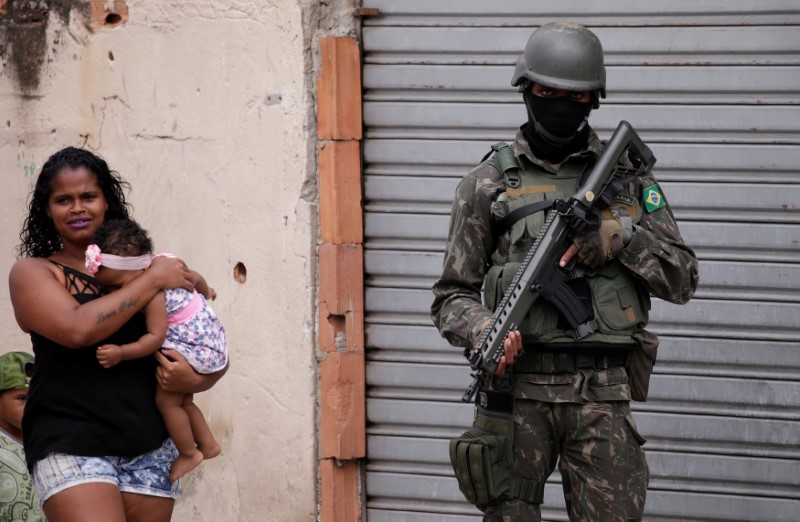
pixel 16 369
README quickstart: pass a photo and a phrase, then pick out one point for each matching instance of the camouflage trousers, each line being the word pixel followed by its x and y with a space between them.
pixel 599 454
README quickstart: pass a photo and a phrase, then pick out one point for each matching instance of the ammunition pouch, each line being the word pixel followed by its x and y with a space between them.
pixel 640 365
pixel 482 456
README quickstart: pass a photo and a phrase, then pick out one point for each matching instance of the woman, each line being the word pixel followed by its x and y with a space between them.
pixel 93 437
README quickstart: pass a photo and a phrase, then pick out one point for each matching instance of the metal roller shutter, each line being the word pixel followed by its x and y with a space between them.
pixel 714 88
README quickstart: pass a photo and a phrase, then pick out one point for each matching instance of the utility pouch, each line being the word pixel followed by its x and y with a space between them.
pixel 481 458
pixel 640 365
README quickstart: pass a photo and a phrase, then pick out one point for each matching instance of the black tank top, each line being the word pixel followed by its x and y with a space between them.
pixel 76 406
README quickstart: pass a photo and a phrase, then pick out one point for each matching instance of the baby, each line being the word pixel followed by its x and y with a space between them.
pixel 176 320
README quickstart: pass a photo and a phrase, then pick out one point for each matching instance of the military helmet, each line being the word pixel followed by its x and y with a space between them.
pixel 563 56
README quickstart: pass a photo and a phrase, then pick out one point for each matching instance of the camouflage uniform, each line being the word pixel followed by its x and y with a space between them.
pixel 580 418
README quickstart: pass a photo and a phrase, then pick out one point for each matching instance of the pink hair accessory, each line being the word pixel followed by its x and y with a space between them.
pixel 93 258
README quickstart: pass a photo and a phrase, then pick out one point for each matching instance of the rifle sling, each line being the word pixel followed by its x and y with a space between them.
pixel 504 225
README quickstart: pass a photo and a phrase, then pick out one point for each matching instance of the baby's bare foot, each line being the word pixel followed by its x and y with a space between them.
pixel 210 451
pixel 184 464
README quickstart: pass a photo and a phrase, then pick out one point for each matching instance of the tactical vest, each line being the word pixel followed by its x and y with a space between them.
pixel 620 304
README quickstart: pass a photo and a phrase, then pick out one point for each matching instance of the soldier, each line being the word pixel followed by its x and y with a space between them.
pixel 570 392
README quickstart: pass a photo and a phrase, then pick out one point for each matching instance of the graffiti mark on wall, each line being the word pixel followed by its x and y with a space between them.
pixel 29 167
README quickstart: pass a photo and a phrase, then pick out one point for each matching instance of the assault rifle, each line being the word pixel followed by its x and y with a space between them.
pixel 540 274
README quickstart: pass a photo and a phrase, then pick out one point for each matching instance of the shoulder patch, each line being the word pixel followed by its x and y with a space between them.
pixel 624 198
pixel 653 200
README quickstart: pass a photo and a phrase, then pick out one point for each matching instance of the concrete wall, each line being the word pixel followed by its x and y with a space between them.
pixel 207 108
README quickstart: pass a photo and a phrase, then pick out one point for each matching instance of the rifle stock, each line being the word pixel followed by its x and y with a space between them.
pixel 539 274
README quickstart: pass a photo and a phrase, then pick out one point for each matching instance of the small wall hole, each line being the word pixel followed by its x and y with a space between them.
pixel 113 19
pixel 240 273
pixel 110 56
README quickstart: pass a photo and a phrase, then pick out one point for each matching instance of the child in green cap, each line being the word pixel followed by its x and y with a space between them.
pixel 18 498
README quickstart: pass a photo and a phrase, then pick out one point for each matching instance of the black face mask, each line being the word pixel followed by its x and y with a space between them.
pixel 544 149
pixel 560 117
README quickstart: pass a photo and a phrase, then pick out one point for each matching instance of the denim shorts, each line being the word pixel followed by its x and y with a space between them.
pixel 146 474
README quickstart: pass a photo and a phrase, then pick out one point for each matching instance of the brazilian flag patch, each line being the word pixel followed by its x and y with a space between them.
pixel 653 200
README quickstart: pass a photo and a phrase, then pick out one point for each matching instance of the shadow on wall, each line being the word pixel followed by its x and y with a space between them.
pixel 23 32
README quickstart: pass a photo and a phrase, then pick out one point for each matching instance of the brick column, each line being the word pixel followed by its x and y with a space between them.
pixel 341 281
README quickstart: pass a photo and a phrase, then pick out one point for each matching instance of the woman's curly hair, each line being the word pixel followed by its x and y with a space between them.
pixel 123 237
pixel 39 237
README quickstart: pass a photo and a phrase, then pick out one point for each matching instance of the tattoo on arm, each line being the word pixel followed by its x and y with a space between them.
pixel 102 316
pixel 124 305
pixel 130 303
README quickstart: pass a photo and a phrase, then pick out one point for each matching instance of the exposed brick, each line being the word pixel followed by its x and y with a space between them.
pixel 340 491
pixel 340 192
pixel 341 291
pixel 339 89
pixel 105 13
pixel 341 298
pixel 343 420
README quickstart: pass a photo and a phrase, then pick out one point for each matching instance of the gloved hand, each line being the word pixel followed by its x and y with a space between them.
pixel 605 243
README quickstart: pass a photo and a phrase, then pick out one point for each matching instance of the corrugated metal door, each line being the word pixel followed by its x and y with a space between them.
pixel 713 87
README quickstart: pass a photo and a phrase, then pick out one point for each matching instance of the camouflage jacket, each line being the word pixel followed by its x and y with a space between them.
pixel 656 254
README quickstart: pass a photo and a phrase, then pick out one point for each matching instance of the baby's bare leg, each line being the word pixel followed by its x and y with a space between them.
pixel 206 442
pixel 180 429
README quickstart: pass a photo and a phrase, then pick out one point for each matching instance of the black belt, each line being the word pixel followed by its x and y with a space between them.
pixel 568 362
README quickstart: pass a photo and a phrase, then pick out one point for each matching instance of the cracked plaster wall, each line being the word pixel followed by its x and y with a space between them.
pixel 207 109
